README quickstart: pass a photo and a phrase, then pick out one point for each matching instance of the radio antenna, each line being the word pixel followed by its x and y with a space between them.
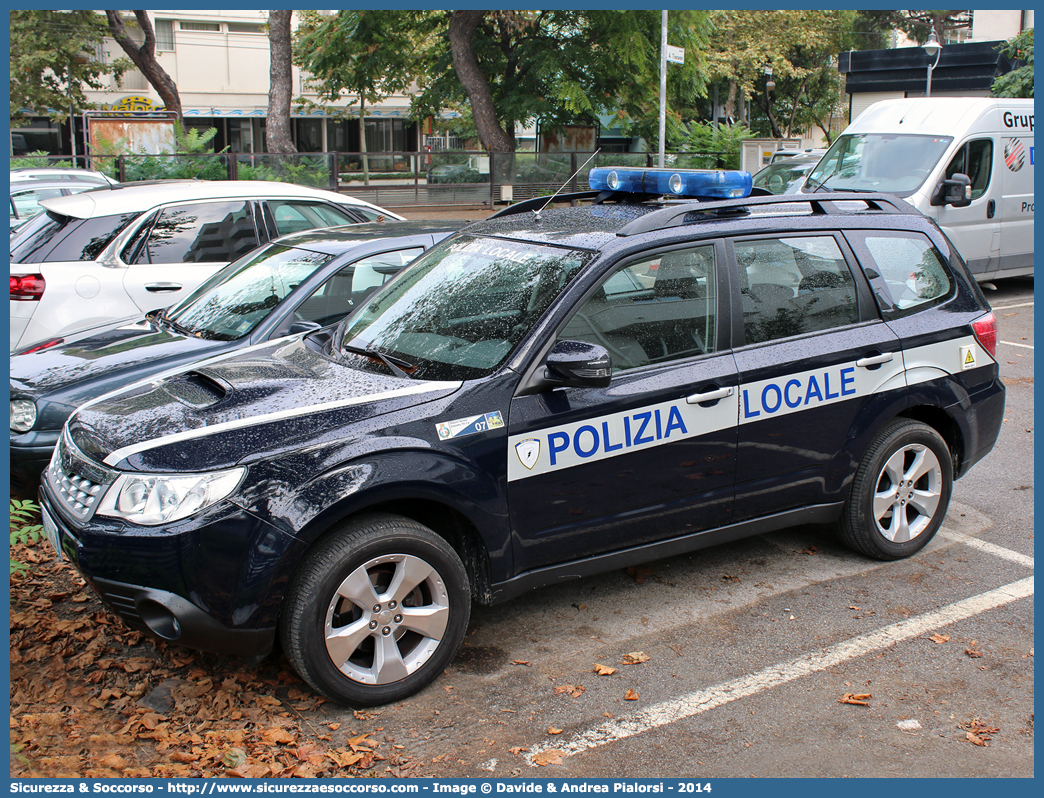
pixel 566 183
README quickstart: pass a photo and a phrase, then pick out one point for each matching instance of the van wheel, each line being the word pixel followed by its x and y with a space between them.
pixel 900 492
pixel 375 611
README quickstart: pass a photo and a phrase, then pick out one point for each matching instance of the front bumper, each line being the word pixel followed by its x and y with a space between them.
pixel 212 582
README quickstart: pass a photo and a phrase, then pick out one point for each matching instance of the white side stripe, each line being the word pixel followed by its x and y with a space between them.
pixel 775 675
pixel 989 548
pixel 253 421
pixel 1012 343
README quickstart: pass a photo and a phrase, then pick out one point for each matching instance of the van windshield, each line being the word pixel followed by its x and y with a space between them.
pixel 878 162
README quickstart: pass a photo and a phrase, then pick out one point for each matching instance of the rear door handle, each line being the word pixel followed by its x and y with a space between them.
pixel 162 288
pixel 709 396
pixel 875 360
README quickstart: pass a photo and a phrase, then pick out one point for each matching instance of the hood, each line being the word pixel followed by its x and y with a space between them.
pixel 100 361
pixel 218 415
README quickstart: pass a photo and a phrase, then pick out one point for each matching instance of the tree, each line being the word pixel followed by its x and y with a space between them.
pixel 277 131
pixel 366 54
pixel 52 60
pixel 801 48
pixel 144 57
pixel 919 24
pixel 1018 82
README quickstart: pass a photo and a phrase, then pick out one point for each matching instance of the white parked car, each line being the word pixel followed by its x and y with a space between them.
pixel 117 252
pixel 52 173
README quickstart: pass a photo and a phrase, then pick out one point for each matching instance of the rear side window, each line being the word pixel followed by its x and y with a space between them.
pixel 206 232
pixel 293 217
pixel 911 270
pixel 793 286
pixel 54 238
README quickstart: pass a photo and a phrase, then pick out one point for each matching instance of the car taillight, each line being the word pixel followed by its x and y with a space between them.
pixel 43 345
pixel 27 287
pixel 986 333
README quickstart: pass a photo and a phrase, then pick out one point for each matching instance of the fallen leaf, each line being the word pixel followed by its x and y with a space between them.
pixel 940 638
pixel 603 670
pixel 635 657
pixel 630 695
pixel 553 730
pixel 233 757
pixel 333 726
pixel 520 662
pixel 855 698
pixel 518 749
pixel 549 757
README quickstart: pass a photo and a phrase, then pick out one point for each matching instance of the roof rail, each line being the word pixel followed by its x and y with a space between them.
pixel 822 204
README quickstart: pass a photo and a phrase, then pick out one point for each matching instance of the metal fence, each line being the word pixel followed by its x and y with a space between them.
pixel 392 179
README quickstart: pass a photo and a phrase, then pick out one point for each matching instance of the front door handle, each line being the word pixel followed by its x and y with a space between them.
pixel 163 288
pixel 875 360
pixel 709 396
pixel 991 209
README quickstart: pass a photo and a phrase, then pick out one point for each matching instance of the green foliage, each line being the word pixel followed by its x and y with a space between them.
pixel 724 143
pixel 52 63
pixel 23 531
pixel 192 156
pixel 1018 82
pixel 302 170
pixel 38 159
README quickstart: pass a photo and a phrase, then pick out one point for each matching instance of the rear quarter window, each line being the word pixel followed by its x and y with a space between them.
pixel 57 238
pixel 907 272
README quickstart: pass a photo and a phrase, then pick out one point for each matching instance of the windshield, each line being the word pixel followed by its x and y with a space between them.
pixel 878 162
pixel 460 310
pixel 235 300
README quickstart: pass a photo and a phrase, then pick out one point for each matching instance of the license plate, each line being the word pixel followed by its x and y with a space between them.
pixel 53 535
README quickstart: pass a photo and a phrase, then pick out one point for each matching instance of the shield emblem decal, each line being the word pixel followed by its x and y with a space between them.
pixel 528 452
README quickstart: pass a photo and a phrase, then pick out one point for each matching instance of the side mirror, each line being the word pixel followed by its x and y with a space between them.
pixel 955 191
pixel 576 364
pixel 303 326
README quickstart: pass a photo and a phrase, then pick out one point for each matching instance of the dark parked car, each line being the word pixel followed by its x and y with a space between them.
pixel 299 282
pixel 547 394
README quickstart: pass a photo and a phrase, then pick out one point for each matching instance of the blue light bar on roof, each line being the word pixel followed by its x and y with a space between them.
pixel 703 183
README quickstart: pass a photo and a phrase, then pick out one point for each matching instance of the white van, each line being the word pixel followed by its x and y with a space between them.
pixel 965 161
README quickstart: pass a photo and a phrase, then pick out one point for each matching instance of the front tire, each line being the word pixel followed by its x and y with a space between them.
pixel 900 492
pixel 376 611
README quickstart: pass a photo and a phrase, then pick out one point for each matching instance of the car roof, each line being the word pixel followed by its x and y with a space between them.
pixel 132 198
pixel 59 173
pixel 601 226
pixel 67 182
pixel 338 240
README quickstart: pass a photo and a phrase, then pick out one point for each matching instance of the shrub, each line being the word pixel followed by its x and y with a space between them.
pixel 23 531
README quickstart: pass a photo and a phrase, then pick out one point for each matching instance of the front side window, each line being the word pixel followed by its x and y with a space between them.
pixel 792 286
pixel 878 162
pixel 974 159
pixel 911 269
pixel 460 310
pixel 235 300
pixel 347 289
pixel 205 232
pixel 293 217
pixel 655 310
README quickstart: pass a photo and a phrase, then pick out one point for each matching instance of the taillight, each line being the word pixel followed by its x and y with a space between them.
pixel 43 345
pixel 986 333
pixel 27 287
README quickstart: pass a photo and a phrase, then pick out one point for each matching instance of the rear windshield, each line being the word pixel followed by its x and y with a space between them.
pixel 51 237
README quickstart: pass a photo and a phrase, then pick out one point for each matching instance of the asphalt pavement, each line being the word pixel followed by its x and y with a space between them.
pixel 783 655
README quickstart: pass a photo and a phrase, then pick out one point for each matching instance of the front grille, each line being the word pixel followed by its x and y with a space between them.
pixel 78 484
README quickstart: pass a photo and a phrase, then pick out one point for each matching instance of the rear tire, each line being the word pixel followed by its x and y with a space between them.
pixel 376 611
pixel 900 492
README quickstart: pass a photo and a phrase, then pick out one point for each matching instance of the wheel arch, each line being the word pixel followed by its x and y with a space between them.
pixel 942 422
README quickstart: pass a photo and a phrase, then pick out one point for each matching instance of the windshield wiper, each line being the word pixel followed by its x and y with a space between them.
pixel 822 183
pixel 394 363
pixel 163 318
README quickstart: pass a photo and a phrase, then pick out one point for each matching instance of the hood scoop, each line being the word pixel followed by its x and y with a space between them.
pixel 197 389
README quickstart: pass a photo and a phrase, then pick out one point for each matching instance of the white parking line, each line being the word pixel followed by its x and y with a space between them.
pixel 700 701
pixel 989 548
pixel 1020 305
pixel 1012 343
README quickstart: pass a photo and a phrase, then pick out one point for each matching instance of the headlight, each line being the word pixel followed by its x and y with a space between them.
pixel 23 414
pixel 151 499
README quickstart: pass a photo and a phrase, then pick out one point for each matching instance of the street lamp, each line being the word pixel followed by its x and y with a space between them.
pixel 932 47
pixel 770 84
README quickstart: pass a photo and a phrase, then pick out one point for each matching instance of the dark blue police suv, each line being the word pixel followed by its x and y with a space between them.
pixel 550 393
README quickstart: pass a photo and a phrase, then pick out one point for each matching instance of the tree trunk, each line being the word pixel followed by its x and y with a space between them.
pixel 277 130
pixel 362 141
pixel 461 30
pixel 144 58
